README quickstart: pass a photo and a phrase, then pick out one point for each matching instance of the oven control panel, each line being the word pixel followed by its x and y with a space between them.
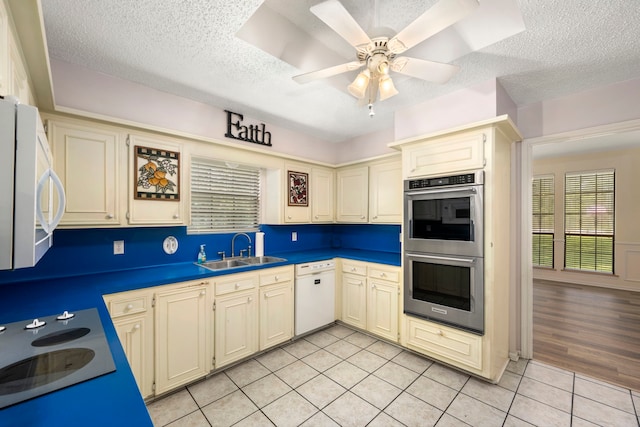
pixel 445 181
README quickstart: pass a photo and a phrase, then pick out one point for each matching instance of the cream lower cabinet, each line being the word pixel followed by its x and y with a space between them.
pixel 132 316
pixel 182 338
pixel 370 296
pixel 276 306
pixel 236 317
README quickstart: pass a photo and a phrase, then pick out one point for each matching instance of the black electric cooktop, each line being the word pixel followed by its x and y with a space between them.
pixel 38 356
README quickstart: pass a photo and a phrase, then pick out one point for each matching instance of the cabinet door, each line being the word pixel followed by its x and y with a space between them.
pixel 276 314
pixel 354 300
pixel 157 204
pixel 353 195
pixel 136 336
pixel 236 327
pixel 182 325
pixel 453 154
pixel 322 195
pixel 86 159
pixel 382 309
pixel 385 193
pixel 297 190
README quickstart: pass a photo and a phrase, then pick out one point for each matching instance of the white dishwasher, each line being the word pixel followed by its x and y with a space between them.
pixel 315 293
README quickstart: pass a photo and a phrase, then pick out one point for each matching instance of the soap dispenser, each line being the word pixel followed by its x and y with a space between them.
pixel 202 257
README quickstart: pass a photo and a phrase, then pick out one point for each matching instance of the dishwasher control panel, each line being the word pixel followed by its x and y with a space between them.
pixel 314 267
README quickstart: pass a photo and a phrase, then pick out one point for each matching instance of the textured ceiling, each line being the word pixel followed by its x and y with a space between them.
pixel 190 48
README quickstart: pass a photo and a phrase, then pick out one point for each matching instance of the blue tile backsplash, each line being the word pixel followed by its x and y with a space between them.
pixel 86 251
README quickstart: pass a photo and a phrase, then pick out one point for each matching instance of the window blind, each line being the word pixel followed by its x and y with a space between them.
pixel 589 220
pixel 224 197
pixel 543 226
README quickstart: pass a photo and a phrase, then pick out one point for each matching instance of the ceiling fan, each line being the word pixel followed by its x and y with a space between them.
pixel 379 54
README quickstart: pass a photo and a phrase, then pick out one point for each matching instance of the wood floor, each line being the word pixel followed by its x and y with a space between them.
pixel 595 331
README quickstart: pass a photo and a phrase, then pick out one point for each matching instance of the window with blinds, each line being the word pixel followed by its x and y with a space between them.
pixel 589 214
pixel 224 198
pixel 543 207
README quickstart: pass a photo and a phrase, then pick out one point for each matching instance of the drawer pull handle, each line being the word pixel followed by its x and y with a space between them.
pixel 129 306
pixel 383 275
pixel 439 333
pixel 136 326
pixel 237 285
pixel 176 216
pixel 373 286
pixel 109 216
pixel 266 296
pixel 249 299
pixel 203 293
pixel 353 269
pixel 276 278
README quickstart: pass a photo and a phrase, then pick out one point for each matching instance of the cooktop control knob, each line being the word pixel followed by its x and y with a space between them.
pixel 65 316
pixel 35 324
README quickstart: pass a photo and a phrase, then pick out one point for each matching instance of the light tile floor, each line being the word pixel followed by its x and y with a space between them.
pixel 342 377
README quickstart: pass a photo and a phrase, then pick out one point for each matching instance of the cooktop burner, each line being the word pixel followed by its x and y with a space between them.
pixel 42 355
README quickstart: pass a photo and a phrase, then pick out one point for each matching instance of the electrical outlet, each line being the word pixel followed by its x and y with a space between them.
pixel 118 247
pixel 294 236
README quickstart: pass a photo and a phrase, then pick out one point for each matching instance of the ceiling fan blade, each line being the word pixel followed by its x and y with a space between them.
pixel 333 13
pixel 440 16
pixel 327 72
pixel 426 70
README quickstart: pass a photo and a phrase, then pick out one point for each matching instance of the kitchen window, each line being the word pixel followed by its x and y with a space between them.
pixel 589 215
pixel 543 205
pixel 225 197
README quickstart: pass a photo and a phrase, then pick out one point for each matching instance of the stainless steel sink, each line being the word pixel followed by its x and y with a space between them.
pixel 262 260
pixel 240 262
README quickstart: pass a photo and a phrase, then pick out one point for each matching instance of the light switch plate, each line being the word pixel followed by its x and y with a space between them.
pixel 294 236
pixel 118 247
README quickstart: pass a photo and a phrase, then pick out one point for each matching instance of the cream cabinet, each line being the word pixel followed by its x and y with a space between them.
pixel 352 194
pixel 88 162
pixel 276 306
pixel 382 300
pixel 485 145
pixel 322 195
pixel 182 334
pixel 236 317
pixel 385 192
pixel 449 154
pixel 132 316
pixel 370 297
pixel 354 293
pixel 158 156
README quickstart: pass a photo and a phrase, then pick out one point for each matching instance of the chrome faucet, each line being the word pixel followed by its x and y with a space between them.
pixel 233 241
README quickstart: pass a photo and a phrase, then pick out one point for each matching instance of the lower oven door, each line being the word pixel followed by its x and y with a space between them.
pixel 445 288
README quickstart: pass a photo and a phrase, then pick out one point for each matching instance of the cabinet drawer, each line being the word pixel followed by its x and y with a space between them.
pixel 125 306
pixel 276 275
pixel 456 347
pixel 234 284
pixel 384 274
pixel 353 268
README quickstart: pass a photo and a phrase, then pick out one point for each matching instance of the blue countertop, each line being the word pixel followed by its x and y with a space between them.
pixel 114 399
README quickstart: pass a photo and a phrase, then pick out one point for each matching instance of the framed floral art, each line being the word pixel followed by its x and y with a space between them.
pixel 298 188
pixel 157 174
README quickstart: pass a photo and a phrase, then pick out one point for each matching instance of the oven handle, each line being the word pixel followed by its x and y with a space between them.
pixel 442 190
pixel 443 258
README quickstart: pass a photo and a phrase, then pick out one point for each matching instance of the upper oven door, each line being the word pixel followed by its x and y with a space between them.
pixel 446 220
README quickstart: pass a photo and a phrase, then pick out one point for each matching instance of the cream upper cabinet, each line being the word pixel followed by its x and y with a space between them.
pixel 87 159
pixel 276 306
pixel 183 335
pixel 236 317
pixel 156 175
pixel 322 191
pixel 14 75
pixel 460 152
pixel 385 192
pixel 132 316
pixel 297 189
pixel 352 194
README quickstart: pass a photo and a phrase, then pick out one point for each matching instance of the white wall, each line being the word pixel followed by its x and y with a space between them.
pixel 83 91
pixel 627 205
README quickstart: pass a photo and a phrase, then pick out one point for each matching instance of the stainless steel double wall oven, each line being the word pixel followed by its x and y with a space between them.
pixel 444 250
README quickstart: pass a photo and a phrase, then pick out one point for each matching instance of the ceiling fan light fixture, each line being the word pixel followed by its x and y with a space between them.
pixel 359 86
pixel 386 88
